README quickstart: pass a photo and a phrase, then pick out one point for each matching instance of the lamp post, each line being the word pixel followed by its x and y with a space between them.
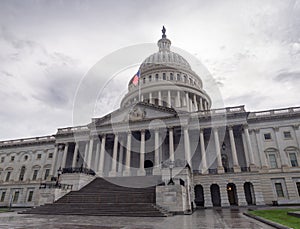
pixel 59 172
pixel 171 166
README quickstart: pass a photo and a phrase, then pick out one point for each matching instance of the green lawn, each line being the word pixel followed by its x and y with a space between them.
pixel 4 210
pixel 279 216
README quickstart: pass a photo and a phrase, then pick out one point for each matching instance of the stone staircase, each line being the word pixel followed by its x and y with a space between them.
pixel 119 196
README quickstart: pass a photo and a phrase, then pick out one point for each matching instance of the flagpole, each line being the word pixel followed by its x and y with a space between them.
pixel 140 85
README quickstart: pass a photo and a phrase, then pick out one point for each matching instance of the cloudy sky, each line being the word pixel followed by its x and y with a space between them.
pixel 251 48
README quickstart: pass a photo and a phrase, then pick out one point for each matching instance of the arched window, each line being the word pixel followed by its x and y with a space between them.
pixel 164 76
pixel 150 78
pixel 156 77
pixel 171 76
pixel 178 77
pixel 22 173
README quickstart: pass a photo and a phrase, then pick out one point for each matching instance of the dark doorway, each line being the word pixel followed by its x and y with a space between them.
pixel 215 195
pixel 249 193
pixel 148 165
pixel 232 194
pixel 199 195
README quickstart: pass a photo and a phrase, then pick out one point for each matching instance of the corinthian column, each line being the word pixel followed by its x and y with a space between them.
pixel 169 99
pixel 90 153
pixel 171 144
pixel 218 151
pixel 141 171
pixel 203 153
pixel 64 159
pixel 128 155
pixel 102 156
pixel 187 148
pixel 75 154
pixel 156 169
pixel 53 165
pixel 113 171
pixel 236 166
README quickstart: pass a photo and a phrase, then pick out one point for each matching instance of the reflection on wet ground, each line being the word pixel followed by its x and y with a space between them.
pixel 209 218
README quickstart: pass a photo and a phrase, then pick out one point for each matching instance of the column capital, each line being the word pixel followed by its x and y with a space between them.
pixel 245 126
pixel 230 127
pixel 256 131
pixel 143 131
pixel 296 126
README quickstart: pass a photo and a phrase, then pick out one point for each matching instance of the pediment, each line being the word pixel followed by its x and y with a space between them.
pixel 137 112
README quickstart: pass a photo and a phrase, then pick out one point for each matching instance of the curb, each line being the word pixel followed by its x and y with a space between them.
pixel 271 223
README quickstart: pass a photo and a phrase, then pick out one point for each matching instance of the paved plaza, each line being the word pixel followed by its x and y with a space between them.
pixel 210 218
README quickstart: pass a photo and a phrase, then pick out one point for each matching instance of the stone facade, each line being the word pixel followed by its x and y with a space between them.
pixel 219 157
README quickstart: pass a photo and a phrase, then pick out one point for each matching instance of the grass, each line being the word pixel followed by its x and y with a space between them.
pixel 279 216
pixel 2 210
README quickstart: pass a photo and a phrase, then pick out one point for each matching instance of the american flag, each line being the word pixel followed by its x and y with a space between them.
pixel 136 78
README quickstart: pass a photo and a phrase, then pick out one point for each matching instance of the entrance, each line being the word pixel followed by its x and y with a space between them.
pixel 249 193
pixel 199 196
pixel 148 165
pixel 232 194
pixel 215 195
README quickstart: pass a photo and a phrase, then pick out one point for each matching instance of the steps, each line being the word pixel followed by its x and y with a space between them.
pixel 108 197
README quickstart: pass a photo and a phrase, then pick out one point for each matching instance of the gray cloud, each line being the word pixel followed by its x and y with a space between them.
pixel 291 77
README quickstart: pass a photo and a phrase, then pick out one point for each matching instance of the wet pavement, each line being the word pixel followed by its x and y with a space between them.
pixel 209 218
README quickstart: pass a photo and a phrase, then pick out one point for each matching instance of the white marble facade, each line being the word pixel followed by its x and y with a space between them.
pixel 244 158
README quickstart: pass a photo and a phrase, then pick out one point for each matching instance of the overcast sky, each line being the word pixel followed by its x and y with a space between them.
pixel 251 48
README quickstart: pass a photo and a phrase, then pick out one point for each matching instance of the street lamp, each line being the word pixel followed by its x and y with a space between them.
pixel 59 172
pixel 171 166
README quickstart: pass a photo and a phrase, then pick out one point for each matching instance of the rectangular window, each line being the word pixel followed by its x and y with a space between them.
pixel 293 158
pixel 46 174
pixel 2 159
pixel 12 158
pixel 50 155
pixel 2 196
pixel 16 196
pixel 7 176
pixel 298 187
pixel 267 136
pixel 35 173
pixel 39 156
pixel 156 77
pixel 30 195
pixel 287 134
pixel 171 76
pixel 150 78
pixel 279 190
pixel 164 76
pixel 178 77
pixel 273 162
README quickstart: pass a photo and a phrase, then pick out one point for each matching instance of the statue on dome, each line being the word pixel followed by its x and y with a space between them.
pixel 164 32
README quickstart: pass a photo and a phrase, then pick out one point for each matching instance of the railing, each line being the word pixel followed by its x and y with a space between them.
pixel 245 169
pixel 226 110
pixel 27 140
pixel 79 170
pixel 72 129
pixel 212 171
pixel 275 112
pixel 55 185
pixel 228 170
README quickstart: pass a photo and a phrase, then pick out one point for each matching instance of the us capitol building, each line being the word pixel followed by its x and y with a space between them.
pixel 164 131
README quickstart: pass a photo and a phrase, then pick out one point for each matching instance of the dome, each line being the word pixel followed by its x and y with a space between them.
pixel 164 57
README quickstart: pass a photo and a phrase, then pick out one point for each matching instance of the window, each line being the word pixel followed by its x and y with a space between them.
pixel 267 136
pixel 164 76
pixel 35 173
pixel 50 155
pixel 293 158
pixel 178 77
pixel 171 76
pixel 156 77
pixel 12 158
pixel 7 176
pixel 30 195
pixel 279 190
pixel 150 78
pixel 184 78
pixel 287 134
pixel 16 196
pixel 25 158
pixel 298 187
pixel 22 172
pixel 39 156
pixel 2 196
pixel 2 159
pixel 46 174
pixel 272 160
pixel 144 80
